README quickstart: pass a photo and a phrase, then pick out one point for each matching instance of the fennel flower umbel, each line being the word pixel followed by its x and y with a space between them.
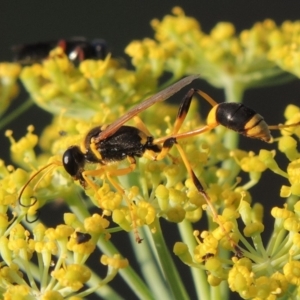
pixel 52 263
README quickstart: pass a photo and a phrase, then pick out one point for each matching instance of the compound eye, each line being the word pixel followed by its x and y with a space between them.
pixel 73 160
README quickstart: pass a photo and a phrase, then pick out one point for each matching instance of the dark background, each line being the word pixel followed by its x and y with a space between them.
pixel 119 22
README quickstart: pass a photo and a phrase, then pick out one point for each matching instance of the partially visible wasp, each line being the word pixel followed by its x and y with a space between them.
pixel 116 142
pixel 77 49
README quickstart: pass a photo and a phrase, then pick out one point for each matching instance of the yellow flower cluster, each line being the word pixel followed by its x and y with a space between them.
pixel 8 87
pixel 69 274
pixel 99 92
pixel 222 57
pixel 285 51
pixel 56 86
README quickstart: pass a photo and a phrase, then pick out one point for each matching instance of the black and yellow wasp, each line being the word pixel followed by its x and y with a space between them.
pixel 116 142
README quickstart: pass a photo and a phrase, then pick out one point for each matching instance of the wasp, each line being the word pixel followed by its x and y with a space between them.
pixel 77 49
pixel 116 142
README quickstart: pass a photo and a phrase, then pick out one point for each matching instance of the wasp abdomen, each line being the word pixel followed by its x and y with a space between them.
pixel 244 120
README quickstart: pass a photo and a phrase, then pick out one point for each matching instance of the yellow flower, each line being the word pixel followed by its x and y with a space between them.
pixel 73 276
pixel 240 279
pixel 96 224
pixel 116 262
pixel 8 87
pixel 52 295
pixel 291 271
pixel 17 292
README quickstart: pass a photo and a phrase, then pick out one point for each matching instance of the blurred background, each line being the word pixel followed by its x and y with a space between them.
pixel 119 22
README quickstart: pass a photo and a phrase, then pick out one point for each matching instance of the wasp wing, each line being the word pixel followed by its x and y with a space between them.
pixel 159 97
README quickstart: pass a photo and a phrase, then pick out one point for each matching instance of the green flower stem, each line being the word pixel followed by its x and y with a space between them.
pixel 128 274
pixel 284 247
pixel 198 275
pixel 77 206
pixel 54 284
pixel 167 264
pixel 258 243
pixel 16 113
pixel 43 271
pixel 35 274
pixel 144 254
pixel 277 238
pixel 216 292
pixel 102 289
pixel 28 271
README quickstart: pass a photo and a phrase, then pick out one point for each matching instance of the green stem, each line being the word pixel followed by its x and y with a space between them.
pixel 198 275
pixel 16 113
pixel 216 293
pixel 145 256
pixel 134 281
pixel 170 272
pixel 277 237
pixel 104 290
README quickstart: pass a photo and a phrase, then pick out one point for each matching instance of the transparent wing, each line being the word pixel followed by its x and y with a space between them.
pixel 159 97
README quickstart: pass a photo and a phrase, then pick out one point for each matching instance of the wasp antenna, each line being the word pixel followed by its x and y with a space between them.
pixel 35 219
pixel 31 204
pixel 28 182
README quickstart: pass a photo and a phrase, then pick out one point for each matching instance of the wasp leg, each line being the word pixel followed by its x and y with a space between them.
pixel 181 115
pixel 199 187
pixel 183 110
pixel 283 126
pixel 167 145
pixel 109 174
pixel 120 172
pixel 206 97
pixel 169 141
pixel 194 132
pixel 141 125
pixel 98 172
pixel 185 106
pixel 202 129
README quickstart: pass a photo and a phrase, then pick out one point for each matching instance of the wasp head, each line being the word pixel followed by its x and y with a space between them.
pixel 73 161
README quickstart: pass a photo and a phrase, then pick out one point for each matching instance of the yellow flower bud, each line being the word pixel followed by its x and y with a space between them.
pixel 291 271
pixel 292 224
pixel 95 224
pixel 73 276
pixel 52 295
pixel 175 214
pixel 115 262
pixel 253 229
